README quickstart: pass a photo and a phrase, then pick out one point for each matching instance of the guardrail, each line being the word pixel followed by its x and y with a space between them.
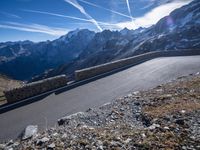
pixel 35 88
pixel 131 61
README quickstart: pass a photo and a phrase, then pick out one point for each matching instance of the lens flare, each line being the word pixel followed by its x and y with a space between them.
pixel 170 23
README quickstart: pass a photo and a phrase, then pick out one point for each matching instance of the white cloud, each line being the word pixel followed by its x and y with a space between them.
pixel 34 28
pixel 153 16
pixel 82 10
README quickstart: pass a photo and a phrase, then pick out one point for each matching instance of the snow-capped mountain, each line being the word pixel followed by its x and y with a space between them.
pixel 83 48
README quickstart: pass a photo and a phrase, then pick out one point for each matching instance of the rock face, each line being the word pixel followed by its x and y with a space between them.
pixel 83 48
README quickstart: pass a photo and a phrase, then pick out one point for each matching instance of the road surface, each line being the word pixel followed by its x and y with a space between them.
pixel 140 77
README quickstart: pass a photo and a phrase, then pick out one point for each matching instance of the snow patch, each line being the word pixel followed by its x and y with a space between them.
pixel 122 42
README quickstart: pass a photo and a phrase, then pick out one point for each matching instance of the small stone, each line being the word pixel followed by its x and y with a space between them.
pixel 127 140
pixel 136 92
pixel 51 146
pixel 182 111
pixel 130 95
pixel 100 148
pixel 61 122
pixel 61 144
pixel 180 121
pixel 167 96
pixel 166 128
pixel 42 141
pixel 87 147
pixel 2 146
pixel 146 120
pixel 30 131
pixel 137 115
pixel 115 144
pixel 16 144
pixel 143 135
pixel 121 109
pixel 192 137
pixel 105 143
pixel 159 90
pixel 198 146
pixel 84 126
pixel 137 103
pixel 153 126
pixel 184 147
pixel 112 120
pixel 167 118
pixel 73 137
pixel 55 134
pixel 89 109
pixel 64 136
pixel 99 144
pixel 159 86
pixel 10 143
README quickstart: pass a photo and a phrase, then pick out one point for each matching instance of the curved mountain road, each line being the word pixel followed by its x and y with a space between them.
pixel 140 77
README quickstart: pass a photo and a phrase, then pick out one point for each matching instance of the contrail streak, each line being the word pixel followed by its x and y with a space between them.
pixel 82 10
pixel 58 15
pixel 69 17
pixel 129 10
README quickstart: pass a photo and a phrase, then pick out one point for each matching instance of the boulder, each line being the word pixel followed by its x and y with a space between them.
pixel 30 131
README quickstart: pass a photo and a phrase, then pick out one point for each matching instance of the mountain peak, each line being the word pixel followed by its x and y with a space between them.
pixel 124 31
pixel 74 33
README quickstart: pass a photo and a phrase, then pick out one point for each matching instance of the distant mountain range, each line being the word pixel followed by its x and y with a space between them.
pixel 23 60
pixel 83 48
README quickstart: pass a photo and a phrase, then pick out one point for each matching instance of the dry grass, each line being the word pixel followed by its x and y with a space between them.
pixel 172 98
pixel 173 107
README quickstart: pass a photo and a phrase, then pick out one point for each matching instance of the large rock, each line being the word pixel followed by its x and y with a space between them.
pixel 30 131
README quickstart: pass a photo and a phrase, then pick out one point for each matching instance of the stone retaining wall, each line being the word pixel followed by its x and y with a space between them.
pixel 35 88
pixel 131 61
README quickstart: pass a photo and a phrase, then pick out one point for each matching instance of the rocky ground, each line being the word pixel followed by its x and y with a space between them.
pixel 166 117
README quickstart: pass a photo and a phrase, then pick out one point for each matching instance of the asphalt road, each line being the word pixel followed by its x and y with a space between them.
pixel 143 76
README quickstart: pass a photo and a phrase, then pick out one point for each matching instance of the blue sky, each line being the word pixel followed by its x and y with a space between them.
pixel 40 20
